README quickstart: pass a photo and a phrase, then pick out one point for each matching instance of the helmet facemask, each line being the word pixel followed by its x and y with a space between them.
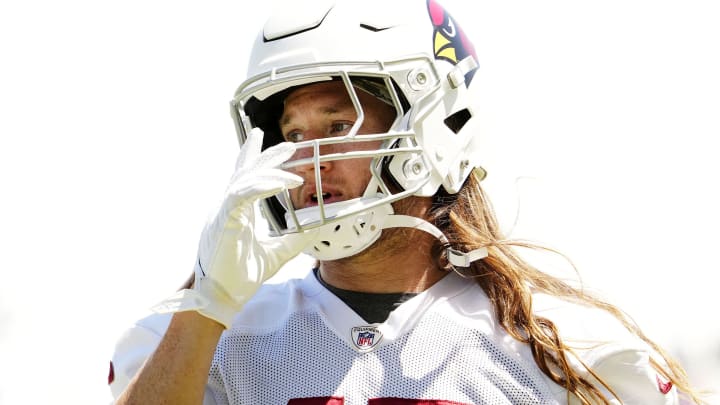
pixel 396 168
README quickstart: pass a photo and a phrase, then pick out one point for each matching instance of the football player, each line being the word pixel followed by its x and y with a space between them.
pixel 361 144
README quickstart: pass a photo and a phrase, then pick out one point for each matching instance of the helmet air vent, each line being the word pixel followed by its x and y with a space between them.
pixel 458 120
pixel 373 28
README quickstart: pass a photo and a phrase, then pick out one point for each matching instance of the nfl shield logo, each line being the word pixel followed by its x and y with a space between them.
pixel 365 338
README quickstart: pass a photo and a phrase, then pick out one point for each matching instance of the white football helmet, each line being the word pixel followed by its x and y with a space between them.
pixel 408 53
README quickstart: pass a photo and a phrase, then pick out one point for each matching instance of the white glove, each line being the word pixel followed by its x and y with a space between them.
pixel 232 260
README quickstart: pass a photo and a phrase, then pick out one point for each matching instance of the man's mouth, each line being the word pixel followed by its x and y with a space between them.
pixel 327 197
pixel 315 198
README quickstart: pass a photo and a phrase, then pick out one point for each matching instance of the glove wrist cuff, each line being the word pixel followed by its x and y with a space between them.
pixel 206 298
pixel 220 306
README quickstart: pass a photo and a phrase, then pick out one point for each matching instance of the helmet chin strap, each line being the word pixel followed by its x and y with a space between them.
pixel 455 257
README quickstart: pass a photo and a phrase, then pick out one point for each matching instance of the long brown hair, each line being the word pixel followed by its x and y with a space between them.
pixel 469 222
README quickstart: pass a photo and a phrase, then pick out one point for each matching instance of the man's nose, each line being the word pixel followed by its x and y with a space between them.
pixel 310 156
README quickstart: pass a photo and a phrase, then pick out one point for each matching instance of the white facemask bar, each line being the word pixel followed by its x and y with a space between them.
pixel 384 196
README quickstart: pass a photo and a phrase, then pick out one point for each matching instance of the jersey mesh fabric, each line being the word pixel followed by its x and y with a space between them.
pixel 298 340
pixel 438 359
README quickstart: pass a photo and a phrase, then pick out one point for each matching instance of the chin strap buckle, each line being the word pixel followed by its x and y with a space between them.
pixel 462 259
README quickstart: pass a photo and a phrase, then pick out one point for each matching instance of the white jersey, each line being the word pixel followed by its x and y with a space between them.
pixel 297 343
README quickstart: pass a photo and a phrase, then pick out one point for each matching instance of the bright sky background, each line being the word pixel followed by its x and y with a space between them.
pixel 115 143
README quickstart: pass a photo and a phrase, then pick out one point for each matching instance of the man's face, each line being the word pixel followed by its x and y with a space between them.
pixel 323 110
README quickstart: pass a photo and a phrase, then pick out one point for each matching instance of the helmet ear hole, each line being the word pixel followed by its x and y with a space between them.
pixel 457 120
pixel 387 172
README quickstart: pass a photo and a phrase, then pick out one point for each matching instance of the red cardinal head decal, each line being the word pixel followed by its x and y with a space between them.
pixel 449 40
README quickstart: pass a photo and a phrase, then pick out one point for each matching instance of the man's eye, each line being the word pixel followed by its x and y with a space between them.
pixel 294 137
pixel 340 127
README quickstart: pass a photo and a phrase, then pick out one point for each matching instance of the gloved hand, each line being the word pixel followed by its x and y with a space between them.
pixel 232 260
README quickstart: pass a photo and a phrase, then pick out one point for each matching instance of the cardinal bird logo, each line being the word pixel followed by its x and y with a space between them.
pixel 449 40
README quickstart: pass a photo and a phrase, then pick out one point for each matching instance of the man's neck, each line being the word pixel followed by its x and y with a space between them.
pixel 400 261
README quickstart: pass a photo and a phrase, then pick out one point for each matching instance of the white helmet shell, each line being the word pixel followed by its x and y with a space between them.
pixel 409 53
